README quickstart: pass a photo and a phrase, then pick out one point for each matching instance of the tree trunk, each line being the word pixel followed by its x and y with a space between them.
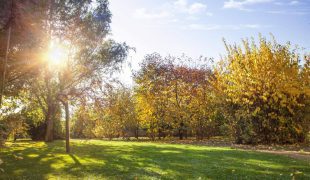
pixel 180 134
pixel 65 103
pixel 137 133
pixel 181 131
pixel 49 136
pixel 6 59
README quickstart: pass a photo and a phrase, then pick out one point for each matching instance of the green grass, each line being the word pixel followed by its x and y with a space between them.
pixel 97 159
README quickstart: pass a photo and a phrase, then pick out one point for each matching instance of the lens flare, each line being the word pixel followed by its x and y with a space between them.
pixel 57 54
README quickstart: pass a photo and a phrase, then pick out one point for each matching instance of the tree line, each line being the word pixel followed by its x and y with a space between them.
pixel 258 92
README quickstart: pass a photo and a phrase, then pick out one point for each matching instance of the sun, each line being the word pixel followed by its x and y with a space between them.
pixel 57 54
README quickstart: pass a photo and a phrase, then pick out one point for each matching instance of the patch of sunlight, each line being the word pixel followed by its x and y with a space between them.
pixel 50 157
pixel 170 151
pixel 46 159
pixel 90 161
pixel 120 167
pixel 263 164
pixel 127 156
pixel 139 163
pixel 266 172
pixel 65 158
pixel 172 172
pixel 153 169
pixel 73 159
pixel 58 165
pixel 18 172
pixel 33 155
pixel 194 147
pixel 21 146
pixel 185 164
pixel 56 176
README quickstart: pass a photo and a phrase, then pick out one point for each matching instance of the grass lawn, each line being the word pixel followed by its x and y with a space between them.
pixel 97 159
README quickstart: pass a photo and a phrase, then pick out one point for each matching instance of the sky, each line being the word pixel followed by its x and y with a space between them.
pixel 197 27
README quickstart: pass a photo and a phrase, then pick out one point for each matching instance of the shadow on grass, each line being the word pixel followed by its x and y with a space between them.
pixel 121 160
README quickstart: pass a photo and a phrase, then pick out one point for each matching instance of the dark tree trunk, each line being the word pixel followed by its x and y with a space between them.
pixel 181 131
pixel 152 133
pixel 49 136
pixel 181 134
pixel 137 133
pixel 6 56
pixel 67 126
pixel 37 132
pixel 185 132
pixel 200 131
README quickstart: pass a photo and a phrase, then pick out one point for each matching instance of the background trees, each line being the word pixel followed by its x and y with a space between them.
pixel 258 93
pixel 174 97
pixel 112 114
pixel 152 95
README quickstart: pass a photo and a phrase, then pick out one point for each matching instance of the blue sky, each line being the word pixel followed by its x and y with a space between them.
pixel 196 27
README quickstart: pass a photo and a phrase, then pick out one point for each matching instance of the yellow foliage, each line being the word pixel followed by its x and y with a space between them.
pixel 267 82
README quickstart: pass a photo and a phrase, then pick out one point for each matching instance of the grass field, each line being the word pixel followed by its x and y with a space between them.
pixel 97 159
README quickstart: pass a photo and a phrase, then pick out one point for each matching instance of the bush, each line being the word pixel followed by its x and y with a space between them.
pixel 12 125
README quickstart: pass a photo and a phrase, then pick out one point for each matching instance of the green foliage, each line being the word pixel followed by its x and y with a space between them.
pixel 111 115
pixel 83 27
pixel 27 38
pixel 12 126
pixel 84 123
pixel 12 121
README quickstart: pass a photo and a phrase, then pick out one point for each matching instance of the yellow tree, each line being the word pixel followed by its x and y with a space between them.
pixel 151 95
pixel 266 89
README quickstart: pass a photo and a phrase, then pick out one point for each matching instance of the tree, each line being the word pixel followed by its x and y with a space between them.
pixel 174 96
pixel 267 90
pixel 20 34
pixel 111 114
pixel 82 27
pixel 12 123
pixel 152 94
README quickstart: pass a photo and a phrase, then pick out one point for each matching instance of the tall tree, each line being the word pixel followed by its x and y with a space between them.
pixel 77 28
pixel 83 27
pixel 20 34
